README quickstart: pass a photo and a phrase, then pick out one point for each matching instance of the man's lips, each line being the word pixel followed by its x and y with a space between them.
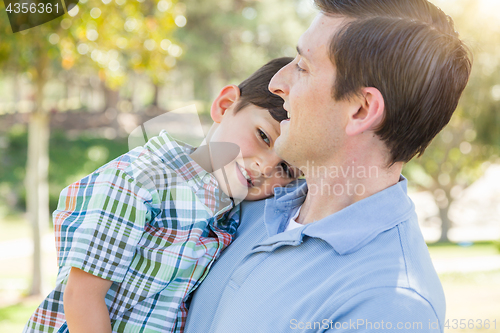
pixel 284 122
pixel 287 114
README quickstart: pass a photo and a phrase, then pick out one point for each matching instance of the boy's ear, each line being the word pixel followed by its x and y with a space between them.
pixel 227 97
pixel 369 114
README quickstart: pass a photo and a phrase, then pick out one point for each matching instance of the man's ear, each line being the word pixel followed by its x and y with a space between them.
pixel 369 114
pixel 227 97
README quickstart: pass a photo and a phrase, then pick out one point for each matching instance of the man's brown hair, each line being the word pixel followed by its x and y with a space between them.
pixel 408 50
pixel 254 90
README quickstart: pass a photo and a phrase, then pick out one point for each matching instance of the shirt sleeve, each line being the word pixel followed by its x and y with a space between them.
pixel 381 309
pixel 99 222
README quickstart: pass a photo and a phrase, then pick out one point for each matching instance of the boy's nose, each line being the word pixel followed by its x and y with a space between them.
pixel 267 164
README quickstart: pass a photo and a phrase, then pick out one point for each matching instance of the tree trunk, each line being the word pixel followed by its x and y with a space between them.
pixel 112 97
pixel 445 224
pixel 37 193
pixel 156 95
pixel 37 189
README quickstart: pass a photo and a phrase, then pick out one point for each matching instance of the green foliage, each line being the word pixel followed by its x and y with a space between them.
pixel 225 41
pixel 460 153
pixel 70 160
pixel 20 52
pixel 121 37
pixel 479 25
pixel 111 38
pixel 13 153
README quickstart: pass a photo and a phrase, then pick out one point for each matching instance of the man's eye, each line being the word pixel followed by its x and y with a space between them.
pixel 264 137
pixel 286 168
pixel 300 69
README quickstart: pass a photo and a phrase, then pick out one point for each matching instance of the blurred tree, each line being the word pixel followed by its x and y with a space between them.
pixel 112 39
pixel 19 53
pixel 456 158
pixel 119 39
pixel 225 41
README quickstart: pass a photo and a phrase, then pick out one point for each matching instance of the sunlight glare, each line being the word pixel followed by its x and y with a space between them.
pixel 489 8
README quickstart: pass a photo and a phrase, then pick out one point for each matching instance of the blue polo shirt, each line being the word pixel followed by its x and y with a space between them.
pixel 365 268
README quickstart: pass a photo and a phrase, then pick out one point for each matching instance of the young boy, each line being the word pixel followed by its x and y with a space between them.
pixel 138 235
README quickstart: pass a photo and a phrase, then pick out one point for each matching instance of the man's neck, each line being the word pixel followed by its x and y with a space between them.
pixel 332 188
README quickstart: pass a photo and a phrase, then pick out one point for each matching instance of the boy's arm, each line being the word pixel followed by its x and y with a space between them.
pixel 84 305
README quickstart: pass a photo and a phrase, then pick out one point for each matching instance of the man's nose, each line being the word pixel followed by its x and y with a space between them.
pixel 278 83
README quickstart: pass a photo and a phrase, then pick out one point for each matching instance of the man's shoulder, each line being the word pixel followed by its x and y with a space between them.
pixel 420 272
pixel 398 259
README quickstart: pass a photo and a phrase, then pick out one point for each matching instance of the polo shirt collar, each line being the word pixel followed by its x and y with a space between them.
pixel 176 156
pixel 347 230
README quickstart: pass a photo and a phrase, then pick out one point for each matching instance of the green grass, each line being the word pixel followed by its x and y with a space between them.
pixel 452 250
pixel 471 278
pixel 471 295
pixel 474 295
pixel 14 317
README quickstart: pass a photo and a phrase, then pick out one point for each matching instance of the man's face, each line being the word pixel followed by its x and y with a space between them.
pixel 257 170
pixel 315 130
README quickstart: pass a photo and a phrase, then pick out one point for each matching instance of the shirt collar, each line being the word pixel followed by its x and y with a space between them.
pixel 175 155
pixel 349 229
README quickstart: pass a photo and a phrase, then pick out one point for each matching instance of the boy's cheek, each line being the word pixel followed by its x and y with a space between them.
pixel 267 189
pixel 262 191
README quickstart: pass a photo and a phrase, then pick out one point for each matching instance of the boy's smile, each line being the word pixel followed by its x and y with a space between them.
pixel 244 176
pixel 257 170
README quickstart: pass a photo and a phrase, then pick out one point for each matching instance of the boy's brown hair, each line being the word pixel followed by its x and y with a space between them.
pixel 254 90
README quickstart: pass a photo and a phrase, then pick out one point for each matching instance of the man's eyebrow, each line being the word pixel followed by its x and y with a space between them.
pixel 299 51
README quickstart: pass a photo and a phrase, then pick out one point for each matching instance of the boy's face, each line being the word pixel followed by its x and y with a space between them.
pixel 257 170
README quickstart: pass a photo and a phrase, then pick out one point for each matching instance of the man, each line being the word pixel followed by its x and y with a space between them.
pixel 373 82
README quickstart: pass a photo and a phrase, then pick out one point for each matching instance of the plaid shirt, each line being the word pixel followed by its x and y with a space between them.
pixel 153 222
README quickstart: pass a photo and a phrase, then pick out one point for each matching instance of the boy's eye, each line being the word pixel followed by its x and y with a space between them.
pixel 286 168
pixel 264 137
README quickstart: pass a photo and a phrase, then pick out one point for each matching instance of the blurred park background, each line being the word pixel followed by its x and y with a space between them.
pixel 72 90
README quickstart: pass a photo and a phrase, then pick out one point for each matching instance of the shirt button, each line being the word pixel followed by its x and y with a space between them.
pixel 206 179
